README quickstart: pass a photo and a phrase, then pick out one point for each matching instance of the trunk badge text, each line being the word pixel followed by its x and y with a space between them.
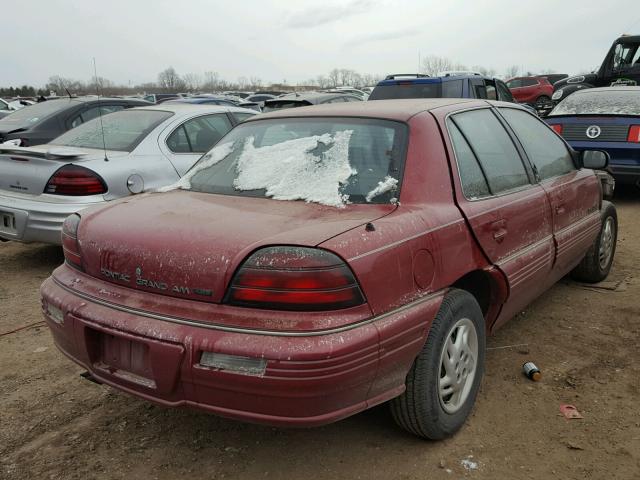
pixel 154 284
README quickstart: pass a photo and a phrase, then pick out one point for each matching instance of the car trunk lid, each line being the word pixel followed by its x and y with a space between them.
pixel 188 244
pixel 27 170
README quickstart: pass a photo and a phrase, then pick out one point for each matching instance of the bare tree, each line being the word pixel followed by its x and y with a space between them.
pixel 511 72
pixel 170 81
pixel 192 82
pixel 334 77
pixel 432 65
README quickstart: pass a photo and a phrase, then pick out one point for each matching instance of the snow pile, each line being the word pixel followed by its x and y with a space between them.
pixel 218 153
pixel 291 170
pixel 386 185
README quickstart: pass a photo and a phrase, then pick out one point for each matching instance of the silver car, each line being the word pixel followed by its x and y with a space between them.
pixel 120 154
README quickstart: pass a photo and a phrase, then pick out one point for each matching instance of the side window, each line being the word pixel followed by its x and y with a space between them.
pixel 241 117
pixel 94 112
pixel 515 83
pixel 349 98
pixel 491 90
pixel 4 106
pixel 479 90
pixel 503 92
pixel 178 141
pixel 494 149
pixel 474 183
pixel 198 135
pixel 544 149
pixel 529 82
pixel 452 89
pixel 335 100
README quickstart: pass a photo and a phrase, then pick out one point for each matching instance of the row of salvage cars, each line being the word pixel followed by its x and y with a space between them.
pixel 316 261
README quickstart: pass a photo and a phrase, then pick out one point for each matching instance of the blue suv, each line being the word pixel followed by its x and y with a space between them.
pixel 448 86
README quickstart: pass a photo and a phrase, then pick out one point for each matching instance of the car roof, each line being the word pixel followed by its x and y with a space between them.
pixel 621 88
pixel 187 108
pixel 309 96
pixel 427 80
pixel 400 110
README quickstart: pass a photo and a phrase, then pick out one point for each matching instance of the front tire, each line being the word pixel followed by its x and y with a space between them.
pixel 443 382
pixel 596 264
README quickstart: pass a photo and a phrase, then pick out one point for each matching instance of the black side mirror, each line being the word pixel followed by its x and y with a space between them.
pixel 594 159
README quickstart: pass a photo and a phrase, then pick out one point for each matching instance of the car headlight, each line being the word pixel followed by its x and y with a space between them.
pixel 16 142
pixel 557 95
pixel 578 79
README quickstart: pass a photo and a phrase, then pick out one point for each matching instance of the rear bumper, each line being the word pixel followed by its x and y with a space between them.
pixel 36 220
pixel 308 379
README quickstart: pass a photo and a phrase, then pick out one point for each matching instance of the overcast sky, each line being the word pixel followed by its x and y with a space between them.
pixel 280 40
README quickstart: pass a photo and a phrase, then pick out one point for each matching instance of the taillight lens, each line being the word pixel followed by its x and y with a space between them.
pixel 557 128
pixel 70 245
pixel 75 181
pixel 294 278
pixel 634 134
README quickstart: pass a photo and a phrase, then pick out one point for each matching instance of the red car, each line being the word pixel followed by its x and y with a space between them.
pixel 322 260
pixel 533 90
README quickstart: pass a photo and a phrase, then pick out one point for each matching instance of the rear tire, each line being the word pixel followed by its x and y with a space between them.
pixel 443 382
pixel 596 264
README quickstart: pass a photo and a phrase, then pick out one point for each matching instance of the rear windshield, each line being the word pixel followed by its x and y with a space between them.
pixel 123 130
pixel 34 113
pixel 406 90
pixel 331 161
pixel 610 102
pixel 268 107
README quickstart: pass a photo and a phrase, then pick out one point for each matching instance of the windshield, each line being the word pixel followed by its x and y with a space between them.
pixel 613 101
pixel 406 90
pixel 331 161
pixel 123 130
pixel 33 113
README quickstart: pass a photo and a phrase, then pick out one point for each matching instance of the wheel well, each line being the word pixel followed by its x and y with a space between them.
pixel 478 284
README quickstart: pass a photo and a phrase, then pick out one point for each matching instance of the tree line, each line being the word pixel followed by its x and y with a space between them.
pixel 170 81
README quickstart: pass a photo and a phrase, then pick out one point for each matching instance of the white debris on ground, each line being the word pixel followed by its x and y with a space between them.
pixel 290 171
pixel 217 154
pixel 386 185
pixel 469 464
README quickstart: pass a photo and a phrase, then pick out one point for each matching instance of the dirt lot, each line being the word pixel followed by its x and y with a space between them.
pixel 55 425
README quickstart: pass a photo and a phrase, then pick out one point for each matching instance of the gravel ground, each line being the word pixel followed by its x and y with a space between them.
pixel 55 425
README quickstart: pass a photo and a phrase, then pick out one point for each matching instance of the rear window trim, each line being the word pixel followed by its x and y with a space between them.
pixel 405 130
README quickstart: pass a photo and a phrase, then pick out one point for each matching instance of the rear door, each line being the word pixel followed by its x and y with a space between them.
pixel 509 214
pixel 574 194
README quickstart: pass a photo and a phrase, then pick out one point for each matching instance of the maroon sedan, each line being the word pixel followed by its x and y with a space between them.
pixel 322 260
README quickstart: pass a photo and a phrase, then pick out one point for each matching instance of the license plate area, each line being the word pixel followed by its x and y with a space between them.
pixel 123 358
pixel 8 223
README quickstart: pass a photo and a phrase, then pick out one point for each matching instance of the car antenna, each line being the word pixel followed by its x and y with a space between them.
pixel 68 93
pixel 95 76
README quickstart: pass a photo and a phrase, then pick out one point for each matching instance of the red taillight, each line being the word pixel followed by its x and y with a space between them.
pixel 70 246
pixel 76 181
pixel 557 128
pixel 294 278
pixel 634 134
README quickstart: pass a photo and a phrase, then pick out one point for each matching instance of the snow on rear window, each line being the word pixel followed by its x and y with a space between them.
pixel 291 170
pixel 613 101
pixel 330 161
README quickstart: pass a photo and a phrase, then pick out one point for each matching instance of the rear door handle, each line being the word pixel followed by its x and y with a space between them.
pixel 499 230
pixel 559 209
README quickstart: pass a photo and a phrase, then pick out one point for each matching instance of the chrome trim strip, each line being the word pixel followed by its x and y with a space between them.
pixel 224 328
pixel 525 250
pixel 408 239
